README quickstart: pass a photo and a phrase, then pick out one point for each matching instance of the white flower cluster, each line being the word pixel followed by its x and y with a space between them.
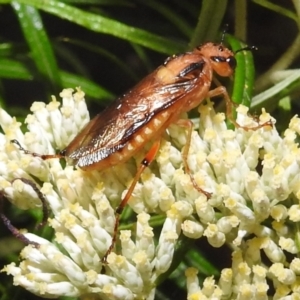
pixel 253 175
pixel 83 207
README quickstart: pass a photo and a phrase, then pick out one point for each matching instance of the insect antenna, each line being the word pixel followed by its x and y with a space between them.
pixel 42 198
pixel 6 221
pixel 247 48
pixel 15 231
pixel 224 31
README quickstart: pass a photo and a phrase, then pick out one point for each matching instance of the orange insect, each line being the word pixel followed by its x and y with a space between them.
pixel 143 114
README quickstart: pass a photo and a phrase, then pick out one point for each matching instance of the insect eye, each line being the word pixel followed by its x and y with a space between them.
pixel 218 58
pixel 231 62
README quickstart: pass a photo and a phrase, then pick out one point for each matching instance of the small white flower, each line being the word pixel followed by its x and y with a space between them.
pixel 192 229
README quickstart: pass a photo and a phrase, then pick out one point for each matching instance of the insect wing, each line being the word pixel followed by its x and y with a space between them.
pixel 111 129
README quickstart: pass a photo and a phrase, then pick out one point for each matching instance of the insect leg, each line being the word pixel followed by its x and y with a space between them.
pixel 189 125
pixel 221 90
pixel 42 156
pixel 150 156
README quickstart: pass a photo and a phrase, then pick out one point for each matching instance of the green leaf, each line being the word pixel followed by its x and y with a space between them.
pixel 279 90
pixel 196 259
pixel 14 69
pixel 119 63
pixel 244 73
pixel 89 87
pixel 6 49
pixel 98 23
pixel 278 9
pixel 209 21
pixel 175 18
pixel 38 42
